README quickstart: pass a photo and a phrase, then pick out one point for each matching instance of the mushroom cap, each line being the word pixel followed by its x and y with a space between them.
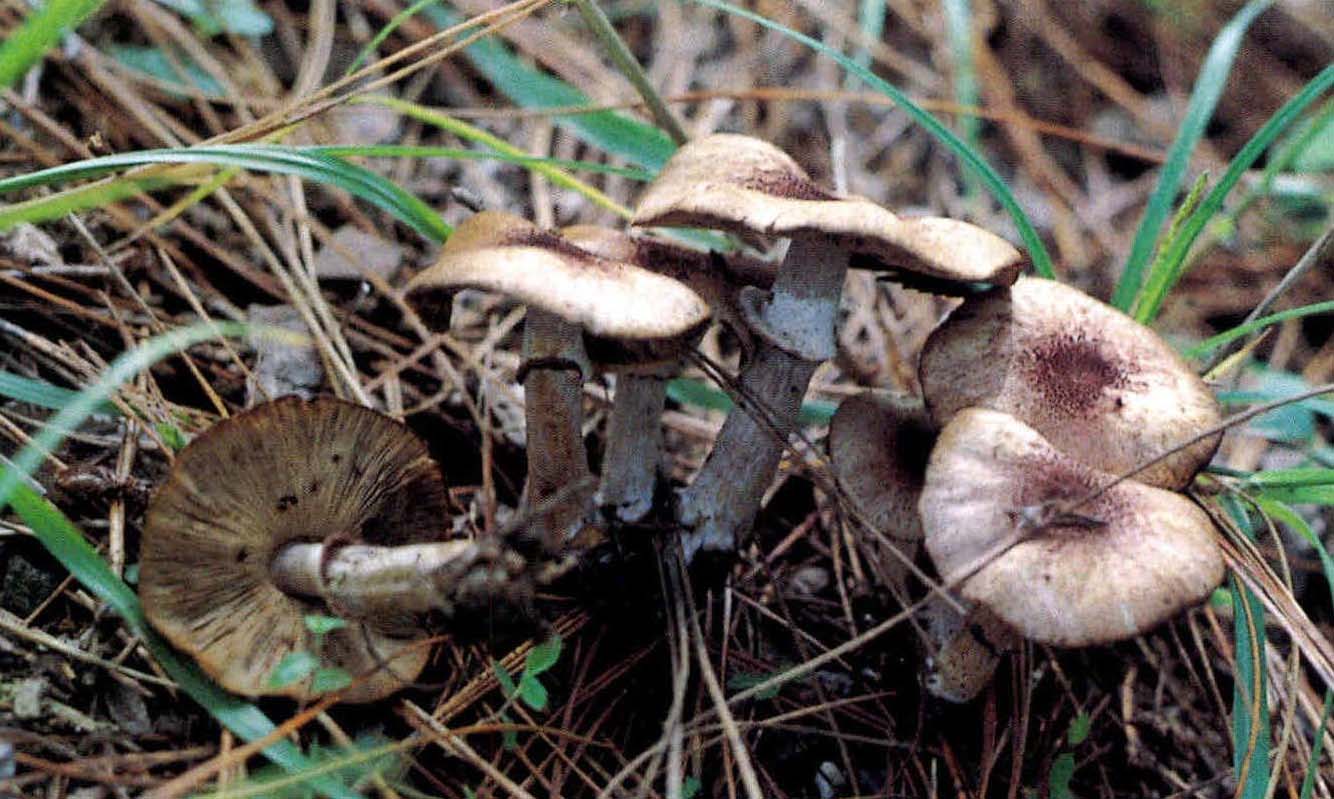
pixel 878 447
pixel 751 188
pixel 1150 553
pixel 714 277
pixel 283 472
pixel 1097 384
pixel 501 252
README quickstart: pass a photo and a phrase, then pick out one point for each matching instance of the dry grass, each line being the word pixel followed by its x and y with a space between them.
pixel 1079 102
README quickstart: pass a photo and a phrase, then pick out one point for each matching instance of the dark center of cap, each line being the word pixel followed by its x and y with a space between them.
pixel 1072 373
pixel 547 240
pixel 1048 493
pixel 780 183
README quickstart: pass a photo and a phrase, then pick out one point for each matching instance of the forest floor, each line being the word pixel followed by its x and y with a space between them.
pixel 1076 106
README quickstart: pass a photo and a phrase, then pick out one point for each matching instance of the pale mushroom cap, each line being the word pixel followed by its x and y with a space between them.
pixel 284 472
pixel 751 188
pixel 878 447
pixel 1094 382
pixel 500 252
pixel 715 278
pixel 1065 584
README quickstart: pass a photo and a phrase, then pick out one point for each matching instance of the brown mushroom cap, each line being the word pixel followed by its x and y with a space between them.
pixel 284 472
pixel 1137 556
pixel 1094 382
pixel 501 252
pixel 878 447
pixel 751 188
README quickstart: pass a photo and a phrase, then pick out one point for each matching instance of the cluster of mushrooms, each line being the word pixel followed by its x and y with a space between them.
pixel 1041 397
pixel 1043 470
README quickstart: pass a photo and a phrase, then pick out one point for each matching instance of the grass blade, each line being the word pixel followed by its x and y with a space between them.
pixel 959 18
pixel 68 545
pixel 617 134
pixel 551 169
pixel 1037 251
pixel 1250 710
pixel 1241 331
pixel 40 393
pixel 1208 87
pixel 1313 766
pixel 392 25
pixel 360 182
pixel 1176 250
pixel 39 33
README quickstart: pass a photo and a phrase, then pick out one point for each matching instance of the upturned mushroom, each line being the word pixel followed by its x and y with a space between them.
pixel 1095 383
pixel 1054 547
pixel 753 189
pixel 569 292
pixel 303 507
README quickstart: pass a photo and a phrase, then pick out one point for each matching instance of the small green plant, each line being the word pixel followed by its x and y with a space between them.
pixel 303 665
pixel 1063 767
pixel 529 689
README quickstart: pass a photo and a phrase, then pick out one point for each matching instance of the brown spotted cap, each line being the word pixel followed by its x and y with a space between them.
pixel 1108 569
pixel 284 472
pixel 611 298
pixel 753 189
pixel 878 447
pixel 1094 382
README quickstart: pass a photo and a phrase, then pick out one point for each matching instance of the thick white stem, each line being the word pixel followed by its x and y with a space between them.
pixel 719 507
pixel 553 351
pixel 634 447
pixel 369 582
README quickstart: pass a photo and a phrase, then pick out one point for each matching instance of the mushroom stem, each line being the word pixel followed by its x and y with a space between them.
pixel 369 582
pixel 804 305
pixel 720 505
pixel 634 447
pixel 963 651
pixel 553 405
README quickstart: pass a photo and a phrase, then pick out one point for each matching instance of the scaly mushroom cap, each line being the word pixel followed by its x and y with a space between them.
pixel 878 446
pixel 284 472
pixel 1135 555
pixel 753 189
pixel 609 298
pixel 1095 383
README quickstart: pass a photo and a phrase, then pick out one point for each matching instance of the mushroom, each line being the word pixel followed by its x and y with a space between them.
pixel 1095 383
pixel 1055 548
pixel 569 292
pixel 293 508
pixel 753 189
pixel 965 649
pixel 633 459
pixel 878 450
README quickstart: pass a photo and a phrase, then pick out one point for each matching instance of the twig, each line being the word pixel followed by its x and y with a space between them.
pixel 710 679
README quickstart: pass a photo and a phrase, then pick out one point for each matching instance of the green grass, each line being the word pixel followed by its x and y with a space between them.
pixel 1153 268
pixel 1208 87
pixel 39 33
